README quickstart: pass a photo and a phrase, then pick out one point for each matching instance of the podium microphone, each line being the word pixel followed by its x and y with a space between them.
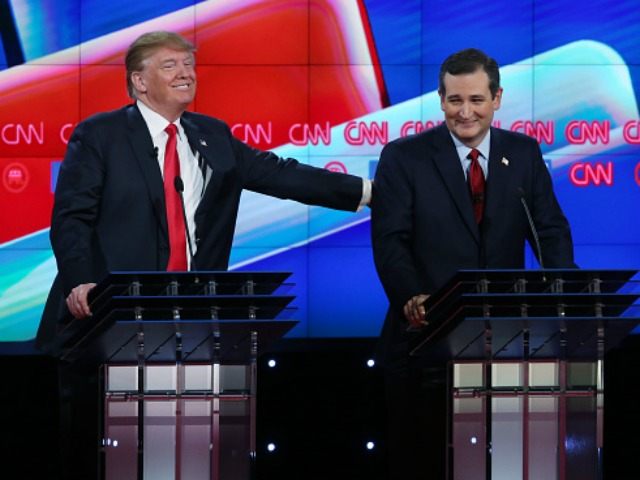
pixel 532 226
pixel 179 186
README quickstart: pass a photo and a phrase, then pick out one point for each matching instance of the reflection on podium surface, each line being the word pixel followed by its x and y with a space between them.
pixel 536 416
pixel 177 352
pixel 183 427
pixel 526 351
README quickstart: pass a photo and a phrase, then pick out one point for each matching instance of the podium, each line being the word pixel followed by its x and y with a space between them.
pixel 525 353
pixel 177 357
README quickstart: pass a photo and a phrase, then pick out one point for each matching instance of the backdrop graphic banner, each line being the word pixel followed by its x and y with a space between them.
pixel 329 83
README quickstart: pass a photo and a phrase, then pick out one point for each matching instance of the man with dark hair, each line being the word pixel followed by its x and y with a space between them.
pixel 448 199
pixel 468 61
pixel 116 207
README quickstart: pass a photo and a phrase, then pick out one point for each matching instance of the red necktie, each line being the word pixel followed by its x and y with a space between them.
pixel 175 218
pixel 475 178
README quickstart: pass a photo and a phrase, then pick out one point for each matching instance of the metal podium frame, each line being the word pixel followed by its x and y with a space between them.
pixel 180 347
pixel 525 352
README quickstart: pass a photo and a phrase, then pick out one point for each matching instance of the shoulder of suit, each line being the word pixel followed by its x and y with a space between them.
pixel 508 135
pixel 110 117
pixel 433 137
pixel 205 121
pixel 106 124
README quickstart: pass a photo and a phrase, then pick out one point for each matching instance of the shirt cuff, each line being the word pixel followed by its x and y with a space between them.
pixel 366 194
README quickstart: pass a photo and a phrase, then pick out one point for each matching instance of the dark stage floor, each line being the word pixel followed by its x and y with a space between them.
pixel 320 406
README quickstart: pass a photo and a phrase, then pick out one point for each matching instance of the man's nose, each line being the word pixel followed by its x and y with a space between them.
pixel 465 110
pixel 183 71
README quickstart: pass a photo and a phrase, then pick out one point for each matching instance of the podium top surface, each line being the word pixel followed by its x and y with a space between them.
pixel 543 313
pixel 193 310
pixel 543 278
pixel 224 282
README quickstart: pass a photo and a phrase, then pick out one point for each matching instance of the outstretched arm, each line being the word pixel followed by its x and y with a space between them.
pixel 265 172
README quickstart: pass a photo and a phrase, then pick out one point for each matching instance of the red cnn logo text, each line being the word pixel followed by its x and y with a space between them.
pixel 16 133
pixel 585 174
pixel 372 133
pixel 304 133
pixel 543 132
pixel 579 132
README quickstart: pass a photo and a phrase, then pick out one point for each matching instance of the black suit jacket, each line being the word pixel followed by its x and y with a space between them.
pixel 109 211
pixel 423 228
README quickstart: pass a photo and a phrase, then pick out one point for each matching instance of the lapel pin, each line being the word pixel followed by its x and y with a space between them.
pixel 203 143
pixel 505 162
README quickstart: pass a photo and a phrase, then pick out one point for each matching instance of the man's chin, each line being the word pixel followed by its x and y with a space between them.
pixel 186 97
pixel 465 135
pixel 468 132
pixel 183 103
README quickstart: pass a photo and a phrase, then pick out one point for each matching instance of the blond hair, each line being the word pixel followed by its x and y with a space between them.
pixel 145 46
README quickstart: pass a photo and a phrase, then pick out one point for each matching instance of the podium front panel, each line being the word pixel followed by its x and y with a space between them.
pixel 526 351
pixel 178 354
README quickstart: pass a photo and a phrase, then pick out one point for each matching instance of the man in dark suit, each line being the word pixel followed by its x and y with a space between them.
pixel 448 199
pixel 115 202
pixel 109 211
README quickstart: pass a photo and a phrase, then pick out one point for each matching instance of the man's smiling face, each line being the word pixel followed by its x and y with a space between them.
pixel 468 105
pixel 167 83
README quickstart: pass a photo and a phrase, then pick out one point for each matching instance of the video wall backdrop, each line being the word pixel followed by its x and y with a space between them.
pixel 328 82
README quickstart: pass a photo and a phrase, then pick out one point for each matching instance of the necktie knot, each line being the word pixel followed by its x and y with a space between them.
pixel 473 154
pixel 171 130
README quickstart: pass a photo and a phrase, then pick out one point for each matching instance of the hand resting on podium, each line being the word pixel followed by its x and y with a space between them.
pixel 415 312
pixel 77 300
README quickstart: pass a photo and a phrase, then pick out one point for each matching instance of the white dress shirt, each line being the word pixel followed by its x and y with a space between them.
pixel 193 175
pixel 483 159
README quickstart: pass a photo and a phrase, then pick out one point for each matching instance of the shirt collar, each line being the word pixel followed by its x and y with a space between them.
pixel 156 123
pixel 463 150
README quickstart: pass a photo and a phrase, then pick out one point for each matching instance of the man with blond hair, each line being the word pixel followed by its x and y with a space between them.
pixel 117 200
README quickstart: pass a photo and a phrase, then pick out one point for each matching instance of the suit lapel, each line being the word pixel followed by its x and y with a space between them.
pixel 448 164
pixel 215 151
pixel 211 147
pixel 142 146
pixel 498 179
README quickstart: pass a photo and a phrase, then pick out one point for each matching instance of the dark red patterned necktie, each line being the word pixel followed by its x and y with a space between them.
pixel 175 219
pixel 475 178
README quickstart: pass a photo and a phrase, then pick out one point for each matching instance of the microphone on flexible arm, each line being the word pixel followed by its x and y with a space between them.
pixel 179 186
pixel 534 231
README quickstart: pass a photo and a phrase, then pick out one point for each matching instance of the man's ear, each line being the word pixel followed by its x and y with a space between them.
pixel 497 100
pixel 138 82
